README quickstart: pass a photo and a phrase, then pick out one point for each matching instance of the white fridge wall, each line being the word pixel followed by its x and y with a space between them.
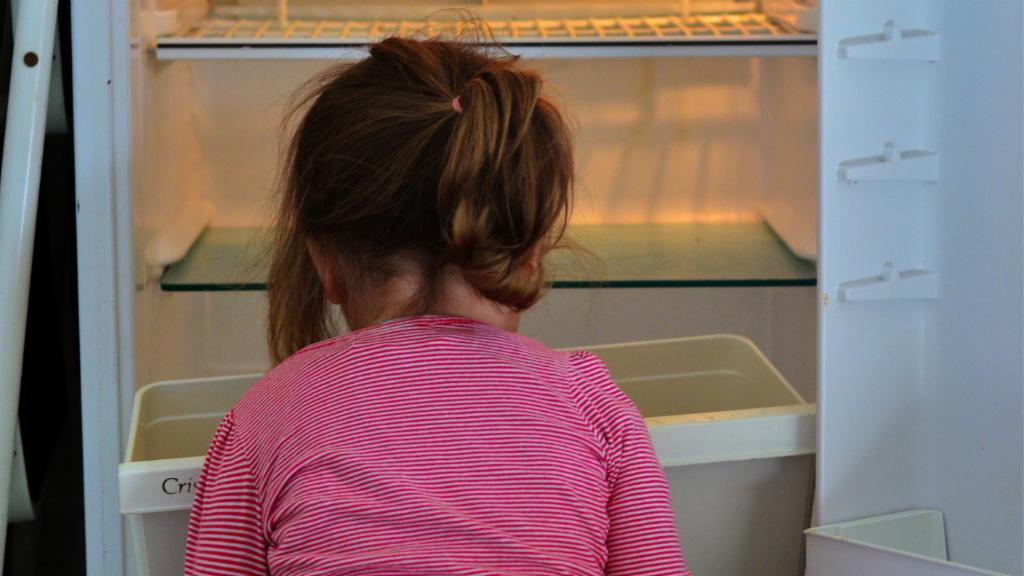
pixel 920 398
pixel 972 381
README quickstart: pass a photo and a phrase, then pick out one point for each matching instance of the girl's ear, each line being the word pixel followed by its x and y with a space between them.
pixel 328 272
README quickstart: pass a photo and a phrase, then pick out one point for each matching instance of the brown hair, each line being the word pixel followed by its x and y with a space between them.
pixel 384 172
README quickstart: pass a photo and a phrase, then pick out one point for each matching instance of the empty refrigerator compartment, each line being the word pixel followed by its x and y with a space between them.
pixel 734 437
pixel 696 254
pixel 513 25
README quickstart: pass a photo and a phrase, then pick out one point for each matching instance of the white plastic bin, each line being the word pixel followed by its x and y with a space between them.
pixel 737 443
pixel 172 425
pixel 909 543
pixel 735 439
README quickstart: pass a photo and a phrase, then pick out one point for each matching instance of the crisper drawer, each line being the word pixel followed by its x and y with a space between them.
pixel 734 437
pixel 737 445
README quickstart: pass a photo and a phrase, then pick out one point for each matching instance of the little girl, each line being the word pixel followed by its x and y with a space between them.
pixel 423 187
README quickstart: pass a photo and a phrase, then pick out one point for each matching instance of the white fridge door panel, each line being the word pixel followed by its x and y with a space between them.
pixel 870 441
pixel 972 378
pixel 920 268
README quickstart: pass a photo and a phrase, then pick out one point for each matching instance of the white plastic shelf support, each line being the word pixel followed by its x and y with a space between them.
pixel 893 43
pixel 912 284
pixel 891 165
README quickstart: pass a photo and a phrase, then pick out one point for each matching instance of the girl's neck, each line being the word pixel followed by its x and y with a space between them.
pixel 455 297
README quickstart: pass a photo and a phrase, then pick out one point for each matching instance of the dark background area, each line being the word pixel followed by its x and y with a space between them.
pixel 50 408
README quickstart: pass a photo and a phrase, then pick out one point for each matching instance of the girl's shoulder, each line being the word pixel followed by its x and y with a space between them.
pixel 603 403
pixel 592 379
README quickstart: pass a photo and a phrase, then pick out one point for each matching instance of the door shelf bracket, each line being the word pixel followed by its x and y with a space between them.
pixel 891 165
pixel 912 284
pixel 893 43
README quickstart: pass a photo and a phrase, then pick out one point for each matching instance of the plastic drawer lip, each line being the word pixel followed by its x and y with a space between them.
pixel 726 415
pixel 847 541
pixel 734 436
pixel 640 343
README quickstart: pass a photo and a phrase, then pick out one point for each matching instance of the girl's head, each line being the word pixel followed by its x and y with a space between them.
pixel 426 159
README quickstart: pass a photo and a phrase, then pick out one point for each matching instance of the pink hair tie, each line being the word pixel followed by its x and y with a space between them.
pixel 457 105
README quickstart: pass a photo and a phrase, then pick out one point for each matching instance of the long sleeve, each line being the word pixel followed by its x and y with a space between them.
pixel 642 537
pixel 225 535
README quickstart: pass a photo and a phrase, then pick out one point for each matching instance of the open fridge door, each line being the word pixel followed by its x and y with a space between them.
pixel 920 289
pixel 35 26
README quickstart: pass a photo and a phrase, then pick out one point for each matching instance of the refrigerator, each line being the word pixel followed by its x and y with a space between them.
pixel 841 184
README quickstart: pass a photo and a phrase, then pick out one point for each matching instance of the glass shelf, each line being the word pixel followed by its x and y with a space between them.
pixel 628 256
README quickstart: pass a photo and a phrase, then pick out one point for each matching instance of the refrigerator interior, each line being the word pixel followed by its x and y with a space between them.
pixel 681 155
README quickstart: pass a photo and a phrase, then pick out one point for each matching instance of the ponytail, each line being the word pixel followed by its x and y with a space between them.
pixel 499 190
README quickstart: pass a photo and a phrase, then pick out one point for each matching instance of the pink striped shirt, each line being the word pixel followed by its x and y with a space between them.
pixel 433 445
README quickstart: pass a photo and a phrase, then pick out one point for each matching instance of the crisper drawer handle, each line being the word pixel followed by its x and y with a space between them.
pixel 158 486
pixel 734 435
